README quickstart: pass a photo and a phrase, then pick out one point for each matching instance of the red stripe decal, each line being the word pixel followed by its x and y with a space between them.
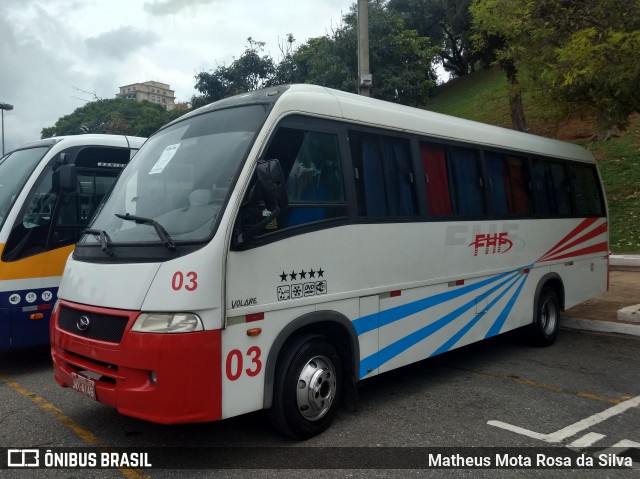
pixel 596 248
pixel 583 239
pixel 576 231
pixel 249 318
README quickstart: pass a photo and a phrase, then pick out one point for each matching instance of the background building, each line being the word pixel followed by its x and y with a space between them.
pixel 152 91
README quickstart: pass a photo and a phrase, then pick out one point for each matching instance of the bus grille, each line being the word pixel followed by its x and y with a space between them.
pixel 101 327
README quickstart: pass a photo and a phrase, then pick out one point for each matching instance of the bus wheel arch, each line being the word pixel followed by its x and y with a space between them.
pixel 547 306
pixel 326 335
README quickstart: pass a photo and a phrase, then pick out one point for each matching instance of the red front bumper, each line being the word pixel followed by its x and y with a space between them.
pixel 187 369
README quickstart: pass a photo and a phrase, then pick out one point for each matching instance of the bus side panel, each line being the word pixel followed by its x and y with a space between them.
pixel 27 329
pixel 26 313
pixel 5 328
pixel 29 287
pixel 244 357
pixel 583 279
pixel 432 320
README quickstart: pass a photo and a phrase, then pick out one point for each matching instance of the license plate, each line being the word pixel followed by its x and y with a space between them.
pixel 84 385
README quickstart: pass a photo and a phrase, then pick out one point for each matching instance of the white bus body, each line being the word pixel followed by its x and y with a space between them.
pixel 383 235
pixel 40 223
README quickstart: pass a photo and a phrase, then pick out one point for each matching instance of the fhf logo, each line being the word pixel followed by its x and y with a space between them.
pixel 496 243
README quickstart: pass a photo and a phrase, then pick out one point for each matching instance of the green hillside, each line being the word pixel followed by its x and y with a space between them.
pixel 482 96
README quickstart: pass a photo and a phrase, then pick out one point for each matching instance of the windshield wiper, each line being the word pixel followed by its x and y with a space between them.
pixel 104 239
pixel 167 242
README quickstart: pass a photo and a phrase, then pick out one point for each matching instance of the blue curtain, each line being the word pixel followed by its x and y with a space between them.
pixel 465 172
pixel 541 191
pixel 373 178
pixel 497 193
pixel 402 158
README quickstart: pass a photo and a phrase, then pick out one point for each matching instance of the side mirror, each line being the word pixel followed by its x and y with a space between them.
pixel 272 184
pixel 270 187
pixel 65 178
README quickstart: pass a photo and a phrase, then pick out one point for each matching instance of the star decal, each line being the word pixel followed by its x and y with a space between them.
pixel 303 274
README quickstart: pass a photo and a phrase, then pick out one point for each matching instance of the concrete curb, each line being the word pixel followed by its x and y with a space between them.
pixel 600 326
pixel 622 262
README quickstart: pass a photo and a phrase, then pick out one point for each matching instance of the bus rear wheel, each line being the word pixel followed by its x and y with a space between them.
pixel 546 324
pixel 307 388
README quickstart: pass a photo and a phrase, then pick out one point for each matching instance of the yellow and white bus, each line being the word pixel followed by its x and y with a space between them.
pixel 49 189
pixel 270 250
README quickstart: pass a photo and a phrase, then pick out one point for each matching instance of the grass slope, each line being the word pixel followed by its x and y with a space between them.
pixel 482 97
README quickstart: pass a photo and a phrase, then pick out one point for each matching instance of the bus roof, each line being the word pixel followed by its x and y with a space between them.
pixel 88 139
pixel 378 113
pixel 328 103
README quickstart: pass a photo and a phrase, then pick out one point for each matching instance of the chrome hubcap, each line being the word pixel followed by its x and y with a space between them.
pixel 316 388
pixel 549 317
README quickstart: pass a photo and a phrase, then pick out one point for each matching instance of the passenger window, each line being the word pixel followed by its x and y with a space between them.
pixel 453 180
pixel 315 175
pixel 384 175
pixel 589 201
pixel 509 192
pixel 312 167
pixel 436 178
pixel 551 188
pixel 466 182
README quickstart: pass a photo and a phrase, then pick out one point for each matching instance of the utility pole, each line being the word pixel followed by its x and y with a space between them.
pixel 365 78
pixel 3 107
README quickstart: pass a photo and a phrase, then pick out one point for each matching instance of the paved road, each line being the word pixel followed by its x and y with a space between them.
pixel 501 393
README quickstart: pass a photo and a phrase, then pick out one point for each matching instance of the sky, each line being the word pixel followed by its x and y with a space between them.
pixel 55 55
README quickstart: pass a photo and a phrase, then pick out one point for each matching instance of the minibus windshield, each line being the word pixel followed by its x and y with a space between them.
pixel 179 180
pixel 15 169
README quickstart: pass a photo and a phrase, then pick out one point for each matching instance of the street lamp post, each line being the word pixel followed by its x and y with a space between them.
pixel 3 107
pixel 364 75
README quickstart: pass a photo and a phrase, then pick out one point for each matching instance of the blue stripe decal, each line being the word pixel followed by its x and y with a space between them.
pixel 456 337
pixel 368 323
pixel 497 325
pixel 388 353
pixel 378 320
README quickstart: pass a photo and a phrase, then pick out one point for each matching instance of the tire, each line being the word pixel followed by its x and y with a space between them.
pixel 546 324
pixel 307 387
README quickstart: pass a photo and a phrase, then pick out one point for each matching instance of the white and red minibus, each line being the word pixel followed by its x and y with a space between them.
pixel 270 250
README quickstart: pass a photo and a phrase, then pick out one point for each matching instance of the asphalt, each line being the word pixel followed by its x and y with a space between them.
pixel 617 310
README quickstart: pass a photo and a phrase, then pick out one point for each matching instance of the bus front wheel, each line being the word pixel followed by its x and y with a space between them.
pixel 546 324
pixel 307 387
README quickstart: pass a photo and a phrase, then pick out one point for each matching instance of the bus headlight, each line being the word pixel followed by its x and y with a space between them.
pixel 167 323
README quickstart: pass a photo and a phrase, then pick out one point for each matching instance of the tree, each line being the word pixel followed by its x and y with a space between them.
pixel 330 60
pixel 580 53
pixel 250 71
pixel 113 116
pixel 448 24
pixel 401 60
pixel 597 72
pixel 503 26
